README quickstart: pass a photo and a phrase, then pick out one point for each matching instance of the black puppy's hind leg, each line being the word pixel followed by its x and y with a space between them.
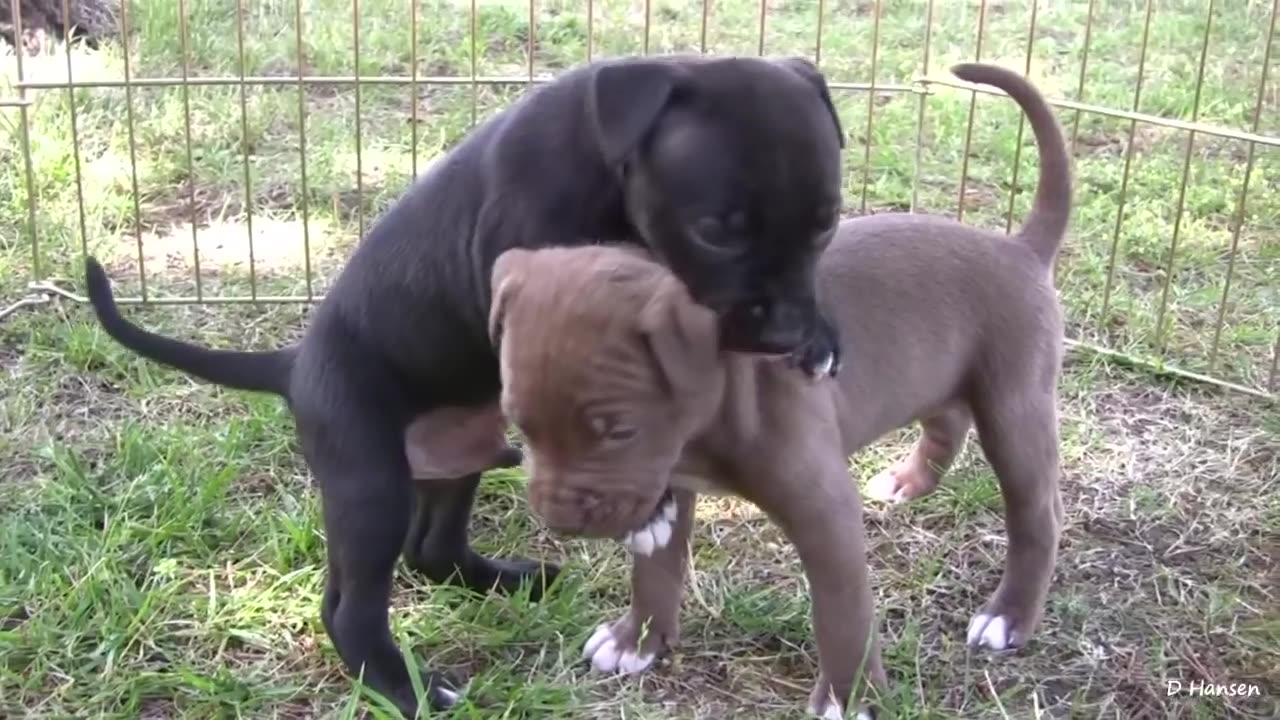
pixel 365 491
pixel 438 546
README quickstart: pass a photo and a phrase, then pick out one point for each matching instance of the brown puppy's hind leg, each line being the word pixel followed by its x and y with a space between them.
pixel 1020 440
pixel 651 626
pixel 941 440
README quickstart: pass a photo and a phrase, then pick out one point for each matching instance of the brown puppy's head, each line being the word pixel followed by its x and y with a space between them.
pixel 608 369
pixel 730 170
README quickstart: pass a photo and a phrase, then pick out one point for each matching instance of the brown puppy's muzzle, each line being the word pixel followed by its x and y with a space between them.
pixel 584 505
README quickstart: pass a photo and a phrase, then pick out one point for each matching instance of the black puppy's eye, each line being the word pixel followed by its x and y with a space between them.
pixel 716 234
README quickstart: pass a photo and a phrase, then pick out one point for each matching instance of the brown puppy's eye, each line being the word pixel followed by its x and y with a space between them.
pixel 599 425
pixel 608 427
pixel 621 434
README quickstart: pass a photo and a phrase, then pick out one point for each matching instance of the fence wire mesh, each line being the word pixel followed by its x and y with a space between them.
pixel 1131 286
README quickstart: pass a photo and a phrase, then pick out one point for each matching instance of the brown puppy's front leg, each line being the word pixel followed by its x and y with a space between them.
pixel 651 626
pixel 822 517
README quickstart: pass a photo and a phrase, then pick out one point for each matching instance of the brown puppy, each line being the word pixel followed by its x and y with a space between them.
pixel 629 408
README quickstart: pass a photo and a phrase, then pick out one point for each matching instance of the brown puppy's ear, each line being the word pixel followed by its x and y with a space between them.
pixel 810 72
pixel 624 101
pixel 506 279
pixel 682 335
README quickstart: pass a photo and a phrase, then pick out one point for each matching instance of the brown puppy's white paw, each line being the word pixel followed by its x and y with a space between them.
pixel 831 711
pixel 656 533
pixel 886 487
pixel 994 632
pixel 905 481
pixel 823 704
pixel 611 654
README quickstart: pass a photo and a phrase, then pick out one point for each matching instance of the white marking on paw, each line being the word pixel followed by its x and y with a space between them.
pixel 606 657
pixel 866 715
pixel 597 639
pixel 988 631
pixel 448 698
pixel 656 534
pixel 829 711
pixel 633 662
pixel 884 488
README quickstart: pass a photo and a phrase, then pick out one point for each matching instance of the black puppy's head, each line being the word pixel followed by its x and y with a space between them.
pixel 731 174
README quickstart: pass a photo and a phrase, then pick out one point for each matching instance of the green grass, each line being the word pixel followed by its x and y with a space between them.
pixel 160 550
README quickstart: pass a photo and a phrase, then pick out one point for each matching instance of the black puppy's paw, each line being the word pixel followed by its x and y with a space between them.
pixel 820 357
pixel 508 576
pixel 440 692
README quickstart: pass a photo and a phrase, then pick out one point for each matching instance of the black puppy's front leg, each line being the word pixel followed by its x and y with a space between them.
pixel 820 357
pixel 437 543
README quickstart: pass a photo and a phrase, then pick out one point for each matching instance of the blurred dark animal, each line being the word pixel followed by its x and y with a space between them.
pixel 43 23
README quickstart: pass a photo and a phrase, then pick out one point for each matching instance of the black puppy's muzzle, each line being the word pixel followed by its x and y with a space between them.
pixel 769 326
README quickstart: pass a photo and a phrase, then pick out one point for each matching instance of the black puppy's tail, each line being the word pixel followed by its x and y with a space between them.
pixel 1051 208
pixel 256 371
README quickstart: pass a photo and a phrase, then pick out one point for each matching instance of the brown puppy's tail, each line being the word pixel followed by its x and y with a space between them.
pixel 256 371
pixel 1051 208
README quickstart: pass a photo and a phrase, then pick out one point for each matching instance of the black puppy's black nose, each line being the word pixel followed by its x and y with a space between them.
pixel 789 317
pixel 769 326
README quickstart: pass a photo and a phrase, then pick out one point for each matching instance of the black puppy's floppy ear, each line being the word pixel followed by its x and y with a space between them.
pixel 682 335
pixel 507 277
pixel 810 72
pixel 623 102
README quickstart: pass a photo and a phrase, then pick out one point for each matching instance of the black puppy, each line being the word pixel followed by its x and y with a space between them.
pixel 728 169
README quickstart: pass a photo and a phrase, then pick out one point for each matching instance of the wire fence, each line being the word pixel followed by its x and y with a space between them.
pixel 928 80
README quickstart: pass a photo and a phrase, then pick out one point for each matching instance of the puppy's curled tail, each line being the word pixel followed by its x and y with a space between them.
pixel 1051 208
pixel 255 371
